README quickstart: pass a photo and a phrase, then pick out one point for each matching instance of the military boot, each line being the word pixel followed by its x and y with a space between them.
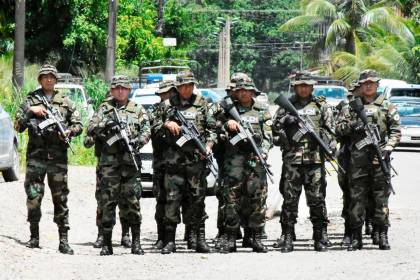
pixel 34 239
pixel 280 240
pixel 170 246
pixel 287 245
pixel 99 240
pixel 264 234
pixel 161 235
pixel 257 245
pixel 125 235
pixel 356 240
pixel 319 244
pixel 64 246
pixel 135 245
pixel 247 239
pixel 375 235
pixel 325 239
pixel 107 244
pixel 368 227
pixel 202 246
pixel 219 239
pixel 347 236
pixel 383 238
pixel 191 237
pixel 239 234
pixel 230 245
pixel 187 232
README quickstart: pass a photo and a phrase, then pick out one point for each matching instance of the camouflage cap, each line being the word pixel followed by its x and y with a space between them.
pixel 368 75
pixel 235 78
pixel 301 78
pixel 165 86
pixel 353 86
pixel 120 80
pixel 185 77
pixel 245 82
pixel 48 69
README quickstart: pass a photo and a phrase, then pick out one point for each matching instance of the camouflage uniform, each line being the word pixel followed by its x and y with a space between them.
pixel 366 177
pixel 185 172
pixel 119 181
pixel 244 178
pixel 46 155
pixel 303 163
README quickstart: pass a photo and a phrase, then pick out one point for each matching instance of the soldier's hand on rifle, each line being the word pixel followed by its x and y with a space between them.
pixel 290 119
pixel 67 133
pixel 233 126
pixel 38 111
pixel 173 127
pixel 386 153
pixel 357 125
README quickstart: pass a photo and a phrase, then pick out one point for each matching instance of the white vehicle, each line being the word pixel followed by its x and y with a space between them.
pixel 9 155
pixel 146 98
pixel 386 85
pixel 78 95
pixel 333 94
pixel 407 100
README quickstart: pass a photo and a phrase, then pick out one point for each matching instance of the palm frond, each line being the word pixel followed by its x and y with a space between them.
pixel 301 21
pixel 339 28
pixel 340 58
pixel 321 8
pixel 347 73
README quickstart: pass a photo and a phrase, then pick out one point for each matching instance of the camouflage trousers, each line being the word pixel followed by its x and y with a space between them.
pixel 99 210
pixel 368 183
pixel 185 185
pixel 245 193
pixel 119 185
pixel 56 172
pixel 311 177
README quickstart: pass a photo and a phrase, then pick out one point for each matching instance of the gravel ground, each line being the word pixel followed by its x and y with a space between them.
pixel 19 262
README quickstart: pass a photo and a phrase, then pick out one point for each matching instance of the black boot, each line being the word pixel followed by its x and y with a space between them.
pixel 218 240
pixel 319 244
pixel 202 246
pixel 161 235
pixel 135 245
pixel 107 244
pixel 347 236
pixel 34 239
pixel 383 239
pixel 293 233
pixel 191 237
pixel 170 246
pixel 239 233
pixel 325 239
pixel 125 235
pixel 356 240
pixel 280 241
pixel 257 245
pixel 230 245
pixel 64 246
pixel 287 245
pixel 187 232
pixel 368 227
pixel 99 240
pixel 375 235
pixel 247 240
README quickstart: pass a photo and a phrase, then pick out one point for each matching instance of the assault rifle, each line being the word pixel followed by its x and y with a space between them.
pixel 54 117
pixel 190 132
pixel 246 133
pixel 307 128
pixel 372 139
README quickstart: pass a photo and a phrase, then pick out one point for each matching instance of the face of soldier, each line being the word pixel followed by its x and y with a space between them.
pixel 185 91
pixel 303 91
pixel 244 96
pixel 120 94
pixel 47 82
pixel 368 89
pixel 164 96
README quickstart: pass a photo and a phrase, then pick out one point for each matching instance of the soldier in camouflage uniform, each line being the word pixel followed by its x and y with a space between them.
pixel 185 168
pixel 304 162
pixel 119 180
pixel 243 175
pixel 47 154
pixel 166 89
pixel 366 177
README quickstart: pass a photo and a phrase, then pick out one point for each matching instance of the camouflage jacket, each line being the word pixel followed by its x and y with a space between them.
pixel 383 114
pixel 196 111
pixel 46 143
pixel 100 131
pixel 259 119
pixel 298 148
pixel 158 138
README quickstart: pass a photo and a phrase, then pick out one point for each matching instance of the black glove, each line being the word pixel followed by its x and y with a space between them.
pixel 290 119
pixel 357 126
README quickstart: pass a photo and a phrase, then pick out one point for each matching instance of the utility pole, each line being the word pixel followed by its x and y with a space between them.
pixel 111 41
pixel 223 72
pixel 161 19
pixel 19 48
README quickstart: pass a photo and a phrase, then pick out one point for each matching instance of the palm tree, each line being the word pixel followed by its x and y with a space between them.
pixel 344 21
pixel 19 47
